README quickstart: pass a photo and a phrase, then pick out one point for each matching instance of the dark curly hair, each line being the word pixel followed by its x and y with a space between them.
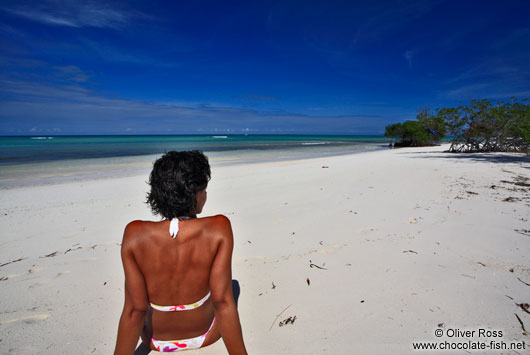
pixel 175 180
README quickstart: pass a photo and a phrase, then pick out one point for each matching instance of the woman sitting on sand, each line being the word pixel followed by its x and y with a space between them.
pixel 178 274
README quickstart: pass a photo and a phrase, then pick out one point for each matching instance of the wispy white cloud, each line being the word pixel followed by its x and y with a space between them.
pixel 72 13
pixel 78 110
pixel 465 92
pixel 338 28
pixel 408 55
pixel 71 73
pixel 9 30
pixel 385 17
pixel 41 71
pixel 258 97
pixel 113 53
pixel 484 91
pixel 493 78
pixel 518 38
pixel 20 62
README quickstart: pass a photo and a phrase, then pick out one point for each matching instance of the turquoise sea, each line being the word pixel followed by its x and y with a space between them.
pixel 50 159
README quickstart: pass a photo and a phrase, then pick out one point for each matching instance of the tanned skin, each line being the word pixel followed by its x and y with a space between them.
pixel 167 272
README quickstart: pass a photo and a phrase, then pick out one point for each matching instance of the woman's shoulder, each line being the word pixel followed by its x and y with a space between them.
pixel 218 225
pixel 219 220
pixel 137 228
pixel 139 225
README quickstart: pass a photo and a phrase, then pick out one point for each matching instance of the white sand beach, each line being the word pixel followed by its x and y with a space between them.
pixel 371 252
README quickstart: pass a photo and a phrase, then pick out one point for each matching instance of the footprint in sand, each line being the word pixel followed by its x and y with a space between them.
pixel 72 261
pixel 331 249
pixel 362 230
pixel 34 269
pixel 59 274
pixel 44 282
pixel 26 320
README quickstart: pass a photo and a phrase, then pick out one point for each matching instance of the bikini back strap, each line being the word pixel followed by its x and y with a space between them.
pixel 183 307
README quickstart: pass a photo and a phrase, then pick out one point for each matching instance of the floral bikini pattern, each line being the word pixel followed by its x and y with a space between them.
pixel 170 346
pixel 181 307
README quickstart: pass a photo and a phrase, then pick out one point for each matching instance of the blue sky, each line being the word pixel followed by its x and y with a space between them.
pixel 317 67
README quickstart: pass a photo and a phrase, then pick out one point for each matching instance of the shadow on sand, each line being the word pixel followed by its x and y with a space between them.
pixel 479 157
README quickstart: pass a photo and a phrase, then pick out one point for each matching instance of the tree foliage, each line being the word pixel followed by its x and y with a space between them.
pixel 426 130
pixel 482 126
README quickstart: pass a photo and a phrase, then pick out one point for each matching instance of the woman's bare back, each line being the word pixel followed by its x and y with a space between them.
pixel 176 272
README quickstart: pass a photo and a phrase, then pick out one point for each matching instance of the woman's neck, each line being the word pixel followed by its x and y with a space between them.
pixel 188 216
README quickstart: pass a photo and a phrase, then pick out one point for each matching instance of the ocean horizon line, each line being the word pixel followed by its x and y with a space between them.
pixel 194 134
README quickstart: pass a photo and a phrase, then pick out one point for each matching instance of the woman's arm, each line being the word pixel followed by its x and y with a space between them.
pixel 225 309
pixel 133 315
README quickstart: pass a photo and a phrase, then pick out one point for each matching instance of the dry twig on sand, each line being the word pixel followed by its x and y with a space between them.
pixel 524 306
pixel 523 231
pixel 278 316
pixel 526 283
pixel 289 320
pixel 410 251
pixel 11 262
pixel 522 324
pixel 318 267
